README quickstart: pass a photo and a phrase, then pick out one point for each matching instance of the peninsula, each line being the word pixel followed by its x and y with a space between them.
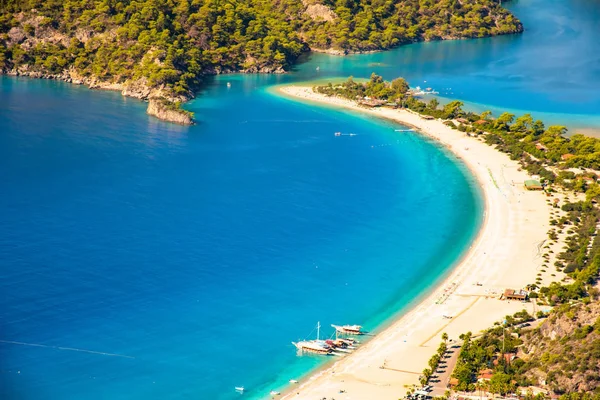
pixel 522 240
pixel 160 49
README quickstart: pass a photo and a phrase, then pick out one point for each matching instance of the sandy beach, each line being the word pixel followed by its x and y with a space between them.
pixel 506 254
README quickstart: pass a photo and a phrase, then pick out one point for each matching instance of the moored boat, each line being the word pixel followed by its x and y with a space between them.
pixel 314 346
pixel 349 329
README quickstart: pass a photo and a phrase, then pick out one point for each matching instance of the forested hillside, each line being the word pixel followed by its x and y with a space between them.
pixel 161 47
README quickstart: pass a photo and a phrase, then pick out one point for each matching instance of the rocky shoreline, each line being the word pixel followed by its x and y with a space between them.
pixel 159 109
pixel 156 97
pixel 160 101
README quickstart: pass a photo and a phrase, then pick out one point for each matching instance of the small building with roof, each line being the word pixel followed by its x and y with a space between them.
pixel 369 102
pixel 588 179
pixel 533 184
pixel 508 358
pixel 485 375
pixel 541 147
pixel 511 294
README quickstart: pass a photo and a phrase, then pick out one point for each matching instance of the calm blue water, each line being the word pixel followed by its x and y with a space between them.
pixel 200 253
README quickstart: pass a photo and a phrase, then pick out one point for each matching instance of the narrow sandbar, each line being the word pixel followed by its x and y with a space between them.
pixel 505 254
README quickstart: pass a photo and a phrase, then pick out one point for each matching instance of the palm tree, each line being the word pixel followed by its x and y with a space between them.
pixel 433 104
pixel 445 337
pixel 485 115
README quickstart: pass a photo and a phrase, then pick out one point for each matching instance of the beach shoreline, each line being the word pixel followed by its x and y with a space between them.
pixel 502 255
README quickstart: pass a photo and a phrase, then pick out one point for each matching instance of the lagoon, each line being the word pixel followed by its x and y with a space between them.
pixel 200 253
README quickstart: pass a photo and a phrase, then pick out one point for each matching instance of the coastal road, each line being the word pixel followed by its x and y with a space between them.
pixel 445 369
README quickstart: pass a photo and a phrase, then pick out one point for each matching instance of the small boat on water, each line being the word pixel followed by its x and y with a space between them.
pixel 338 134
pixel 293 381
pixel 350 343
pixel 338 346
pixel 228 84
pixel 314 346
pixel 311 346
pixel 239 389
pixel 274 393
pixel 349 329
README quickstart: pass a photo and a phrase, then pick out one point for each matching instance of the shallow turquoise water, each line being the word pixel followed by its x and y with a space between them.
pixel 200 253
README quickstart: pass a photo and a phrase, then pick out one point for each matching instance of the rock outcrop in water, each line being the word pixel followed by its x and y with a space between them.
pixel 161 104
pixel 163 110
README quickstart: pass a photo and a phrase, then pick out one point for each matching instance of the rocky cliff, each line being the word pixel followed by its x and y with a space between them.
pixel 162 110
pixel 159 98
pixel 564 352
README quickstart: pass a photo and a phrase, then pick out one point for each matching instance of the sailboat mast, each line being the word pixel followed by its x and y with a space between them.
pixel 318 329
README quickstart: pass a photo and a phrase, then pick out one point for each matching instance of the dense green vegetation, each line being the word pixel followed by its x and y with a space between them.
pixel 381 24
pixel 169 44
pixel 486 352
pixel 375 88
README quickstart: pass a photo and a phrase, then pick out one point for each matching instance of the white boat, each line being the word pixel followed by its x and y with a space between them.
pixel 314 346
pixel 348 342
pixel 228 84
pixel 338 134
pixel 274 393
pixel 349 329
pixel 239 389
pixel 293 381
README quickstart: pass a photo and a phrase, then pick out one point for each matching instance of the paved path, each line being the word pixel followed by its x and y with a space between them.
pixel 440 383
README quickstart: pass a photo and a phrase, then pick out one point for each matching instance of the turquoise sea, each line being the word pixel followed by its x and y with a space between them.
pixel 143 260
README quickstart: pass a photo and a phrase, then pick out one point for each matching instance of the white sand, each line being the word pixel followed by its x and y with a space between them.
pixel 506 254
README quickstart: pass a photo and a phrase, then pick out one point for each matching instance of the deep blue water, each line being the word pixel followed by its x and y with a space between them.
pixel 200 253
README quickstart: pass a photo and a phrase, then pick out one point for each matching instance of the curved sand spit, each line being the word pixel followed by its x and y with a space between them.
pixel 505 255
